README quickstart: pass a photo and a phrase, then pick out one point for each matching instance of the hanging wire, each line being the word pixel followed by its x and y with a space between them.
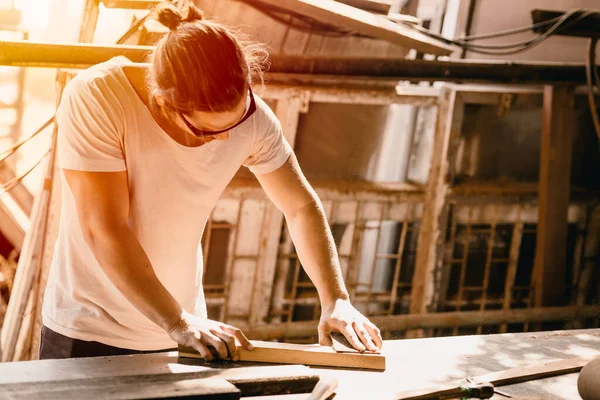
pixel 557 23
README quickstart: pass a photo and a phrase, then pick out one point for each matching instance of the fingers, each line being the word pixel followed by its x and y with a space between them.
pixel 229 341
pixel 239 335
pixel 324 338
pixel 216 343
pixel 375 333
pixel 348 331
pixel 203 350
pixel 364 336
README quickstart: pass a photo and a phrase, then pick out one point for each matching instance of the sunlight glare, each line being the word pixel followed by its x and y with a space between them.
pixel 36 14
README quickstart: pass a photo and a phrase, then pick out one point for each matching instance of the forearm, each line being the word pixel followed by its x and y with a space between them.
pixel 126 264
pixel 317 252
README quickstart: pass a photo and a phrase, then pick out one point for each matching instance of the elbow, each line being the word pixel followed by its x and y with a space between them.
pixel 311 206
pixel 97 233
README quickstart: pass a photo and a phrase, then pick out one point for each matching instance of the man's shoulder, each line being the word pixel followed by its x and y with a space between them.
pixel 103 76
pixel 266 116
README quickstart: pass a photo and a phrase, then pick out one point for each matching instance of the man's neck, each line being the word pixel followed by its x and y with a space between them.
pixel 136 74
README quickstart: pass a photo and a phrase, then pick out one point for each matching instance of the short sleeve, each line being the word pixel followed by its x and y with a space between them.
pixel 89 129
pixel 270 149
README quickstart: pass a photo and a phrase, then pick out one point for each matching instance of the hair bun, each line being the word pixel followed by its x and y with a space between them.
pixel 193 13
pixel 168 15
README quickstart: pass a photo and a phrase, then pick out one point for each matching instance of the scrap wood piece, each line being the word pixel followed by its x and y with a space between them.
pixel 307 354
pixel 500 378
pixel 366 23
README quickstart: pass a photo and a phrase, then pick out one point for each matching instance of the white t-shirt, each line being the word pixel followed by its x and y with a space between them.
pixel 104 126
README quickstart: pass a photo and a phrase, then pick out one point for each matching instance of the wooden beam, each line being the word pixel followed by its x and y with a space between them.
pixel 449 123
pixel 433 320
pixel 555 185
pixel 91 11
pixel 20 193
pixel 366 23
pixel 377 6
pixel 12 227
pixel 31 257
pixel 336 93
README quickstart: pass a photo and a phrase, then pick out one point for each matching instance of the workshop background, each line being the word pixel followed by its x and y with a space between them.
pixel 457 208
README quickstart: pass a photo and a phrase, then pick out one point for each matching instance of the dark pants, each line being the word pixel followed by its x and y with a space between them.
pixel 54 345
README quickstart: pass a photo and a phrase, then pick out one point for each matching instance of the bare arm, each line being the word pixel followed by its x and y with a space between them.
pixel 292 194
pixel 102 201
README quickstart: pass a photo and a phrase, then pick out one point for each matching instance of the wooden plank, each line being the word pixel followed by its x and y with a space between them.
pixel 307 354
pixel 12 228
pixel 20 193
pixel 430 239
pixel 555 185
pixel 125 388
pixel 166 365
pixel 31 326
pixel 377 6
pixel 364 22
pixel 30 259
pixel 122 372
pixel 245 256
pixel 91 11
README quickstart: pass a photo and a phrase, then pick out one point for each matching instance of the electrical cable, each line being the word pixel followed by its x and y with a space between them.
pixel 508 32
pixel 511 48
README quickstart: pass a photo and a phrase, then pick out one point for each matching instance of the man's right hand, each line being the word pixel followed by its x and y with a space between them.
pixel 202 334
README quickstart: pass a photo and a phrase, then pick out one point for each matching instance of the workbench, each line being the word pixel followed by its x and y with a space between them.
pixel 411 364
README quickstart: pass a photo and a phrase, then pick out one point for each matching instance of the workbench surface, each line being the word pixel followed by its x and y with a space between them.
pixel 411 364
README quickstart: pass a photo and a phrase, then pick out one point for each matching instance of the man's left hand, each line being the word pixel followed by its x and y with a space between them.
pixel 341 316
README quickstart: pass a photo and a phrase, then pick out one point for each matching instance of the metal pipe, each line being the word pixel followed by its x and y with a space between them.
pixel 54 55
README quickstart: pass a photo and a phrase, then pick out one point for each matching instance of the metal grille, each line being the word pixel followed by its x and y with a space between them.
pixel 489 259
